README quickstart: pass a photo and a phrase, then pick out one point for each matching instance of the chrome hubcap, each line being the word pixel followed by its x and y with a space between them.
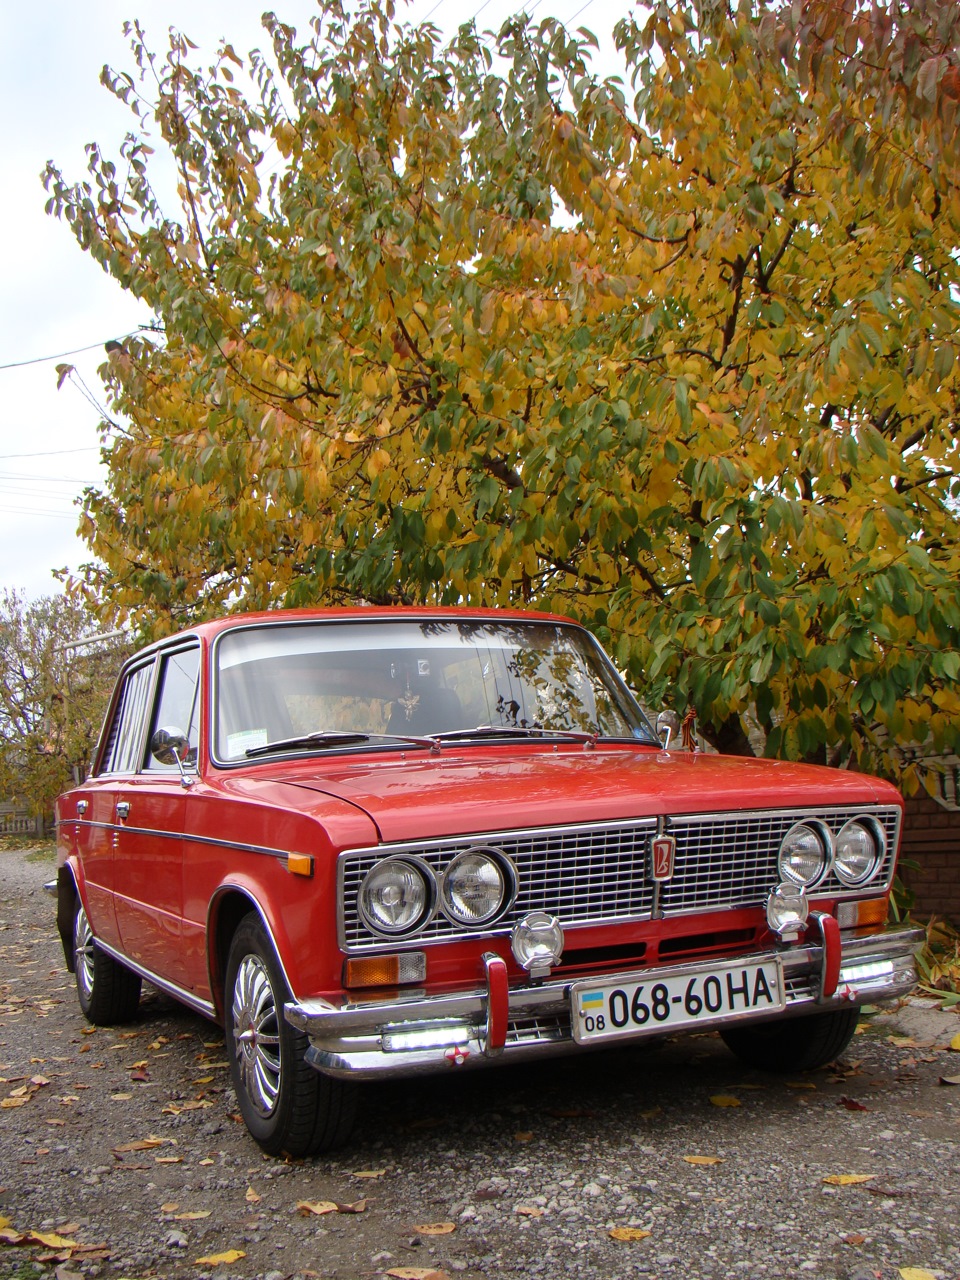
pixel 83 945
pixel 256 1030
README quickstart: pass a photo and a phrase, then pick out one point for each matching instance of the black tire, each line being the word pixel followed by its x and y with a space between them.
pixel 794 1044
pixel 108 992
pixel 289 1108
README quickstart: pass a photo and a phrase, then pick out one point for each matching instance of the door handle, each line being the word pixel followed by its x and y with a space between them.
pixel 123 810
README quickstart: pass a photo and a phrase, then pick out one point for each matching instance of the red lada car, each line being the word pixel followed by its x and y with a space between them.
pixel 378 842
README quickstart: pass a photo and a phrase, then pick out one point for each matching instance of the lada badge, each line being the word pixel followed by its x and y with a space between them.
pixel 663 850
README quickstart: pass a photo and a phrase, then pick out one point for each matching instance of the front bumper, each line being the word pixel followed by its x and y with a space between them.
pixel 416 1034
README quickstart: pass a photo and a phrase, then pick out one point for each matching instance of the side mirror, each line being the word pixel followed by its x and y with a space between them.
pixel 668 726
pixel 172 746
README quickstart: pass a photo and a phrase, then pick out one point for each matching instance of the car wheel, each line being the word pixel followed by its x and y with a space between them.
pixel 109 993
pixel 794 1044
pixel 289 1108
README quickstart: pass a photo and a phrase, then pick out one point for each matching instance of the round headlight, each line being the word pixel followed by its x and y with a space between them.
pixel 396 896
pixel 859 851
pixel 474 888
pixel 803 855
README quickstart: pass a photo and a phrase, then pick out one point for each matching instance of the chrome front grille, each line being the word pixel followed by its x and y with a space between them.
pixel 579 874
pixel 730 860
pixel 594 874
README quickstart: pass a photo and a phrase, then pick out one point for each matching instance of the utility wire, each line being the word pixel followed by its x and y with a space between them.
pixel 19 364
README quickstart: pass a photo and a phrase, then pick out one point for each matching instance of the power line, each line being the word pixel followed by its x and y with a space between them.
pixel 19 364
pixel 50 453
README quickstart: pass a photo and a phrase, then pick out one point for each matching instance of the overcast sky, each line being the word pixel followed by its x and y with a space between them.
pixel 55 299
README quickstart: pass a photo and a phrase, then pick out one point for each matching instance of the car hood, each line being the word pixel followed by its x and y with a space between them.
pixel 485 790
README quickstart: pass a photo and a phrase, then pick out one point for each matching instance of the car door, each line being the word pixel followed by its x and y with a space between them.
pixel 97 826
pixel 148 867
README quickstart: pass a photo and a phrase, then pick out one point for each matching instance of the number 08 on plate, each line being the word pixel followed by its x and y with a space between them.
pixel 676 998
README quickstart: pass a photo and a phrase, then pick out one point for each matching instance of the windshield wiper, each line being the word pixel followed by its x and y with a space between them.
pixel 514 731
pixel 337 738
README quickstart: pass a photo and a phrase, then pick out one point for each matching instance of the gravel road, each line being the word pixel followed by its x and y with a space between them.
pixel 126 1146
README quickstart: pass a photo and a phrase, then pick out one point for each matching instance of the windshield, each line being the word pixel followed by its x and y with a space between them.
pixel 413 677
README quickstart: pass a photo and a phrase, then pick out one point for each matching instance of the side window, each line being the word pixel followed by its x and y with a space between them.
pixel 178 704
pixel 124 744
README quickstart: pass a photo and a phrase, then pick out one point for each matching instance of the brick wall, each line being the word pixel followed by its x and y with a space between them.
pixel 931 840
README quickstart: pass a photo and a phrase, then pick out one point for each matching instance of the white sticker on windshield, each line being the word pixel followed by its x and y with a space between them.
pixel 239 743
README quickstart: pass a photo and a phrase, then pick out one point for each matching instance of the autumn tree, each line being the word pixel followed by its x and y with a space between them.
pixel 674 352
pixel 55 681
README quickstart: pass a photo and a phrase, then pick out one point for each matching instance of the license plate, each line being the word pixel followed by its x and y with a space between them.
pixel 675 998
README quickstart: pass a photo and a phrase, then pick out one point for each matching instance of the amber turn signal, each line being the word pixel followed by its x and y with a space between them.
pixel 300 864
pixel 385 971
pixel 869 914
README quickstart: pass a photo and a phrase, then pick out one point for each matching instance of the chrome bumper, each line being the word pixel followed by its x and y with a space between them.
pixel 415 1034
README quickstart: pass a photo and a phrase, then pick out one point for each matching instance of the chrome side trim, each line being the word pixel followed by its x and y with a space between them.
pixel 347 1040
pixel 157 834
pixel 204 1007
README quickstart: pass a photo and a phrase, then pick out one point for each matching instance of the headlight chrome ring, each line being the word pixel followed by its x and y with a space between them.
pixel 860 848
pixel 397 896
pixel 806 854
pixel 477 887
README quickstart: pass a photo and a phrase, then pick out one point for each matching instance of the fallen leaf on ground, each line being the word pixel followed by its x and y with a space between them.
pixel 955 1043
pixel 320 1207
pixel 193 1215
pixel 855 1238
pixel 176 1108
pixel 170 1207
pixel 704 1159
pixel 252 1197
pixel 528 1211
pixel 369 1173
pixel 436 1228
pixel 724 1100
pixel 916 1273
pixel 144 1144
pixel 628 1233
pixel 221 1259
pixel 523 1136
pixel 168 1159
pixel 950 1079
pixel 852 1104
pixel 848 1179
pixel 799 1084
pixel 417 1273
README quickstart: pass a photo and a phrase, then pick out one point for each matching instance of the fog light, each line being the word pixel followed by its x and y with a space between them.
pixel 537 943
pixel 407 1039
pixel 787 910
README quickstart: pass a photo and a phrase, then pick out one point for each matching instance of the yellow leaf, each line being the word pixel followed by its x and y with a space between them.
pixel 252 1197
pixel 417 1273
pixel 916 1273
pixel 221 1259
pixel 848 1179
pixel 436 1228
pixel 704 1159
pixel 193 1215
pixel 317 1207
pixel 955 1043
pixel 369 1173
pixel 51 1240
pixel 628 1233
pixel 170 1207
pixel 4 1223
pixel 725 1100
